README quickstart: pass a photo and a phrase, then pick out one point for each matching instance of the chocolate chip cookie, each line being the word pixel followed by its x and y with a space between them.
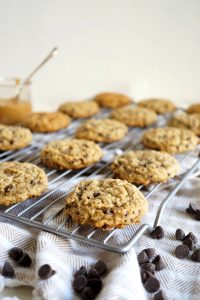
pixel 102 130
pixel 169 139
pixel 14 137
pixel 112 100
pixel 134 116
pixel 160 106
pixel 79 109
pixel 106 203
pixel 194 108
pixel 47 121
pixel 20 181
pixel 70 154
pixel 188 121
pixel 145 167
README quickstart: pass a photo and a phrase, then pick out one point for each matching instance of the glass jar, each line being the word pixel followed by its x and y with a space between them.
pixel 14 110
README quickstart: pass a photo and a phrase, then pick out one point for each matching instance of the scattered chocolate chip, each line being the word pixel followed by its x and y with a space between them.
pixel 142 257
pixel 191 236
pixel 191 209
pixel 15 253
pixel 152 284
pixel 25 261
pixel 157 233
pixel 159 296
pixel 81 271
pixel 79 283
pixel 159 263
pixel 149 267
pixel 88 294
pixel 180 235
pixel 196 255
pixel 189 242
pixel 100 267
pixel 95 284
pixel 151 252
pixel 145 275
pixel 182 251
pixel 45 272
pixel 93 274
pixel 197 215
pixel 8 270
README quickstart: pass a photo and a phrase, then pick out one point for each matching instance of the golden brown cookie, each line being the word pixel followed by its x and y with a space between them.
pixel 134 116
pixel 160 106
pixel 20 181
pixel 47 121
pixel 145 167
pixel 194 108
pixel 188 121
pixel 14 137
pixel 102 130
pixel 106 203
pixel 70 154
pixel 112 100
pixel 169 139
pixel 80 109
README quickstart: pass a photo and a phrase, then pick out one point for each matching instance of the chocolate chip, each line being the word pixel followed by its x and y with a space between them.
pixel 149 267
pixel 142 257
pixel 45 272
pixel 189 242
pixel 151 252
pixel 93 274
pixel 81 271
pixel 182 251
pixel 100 267
pixel 96 194
pixel 8 270
pixel 191 236
pixel 191 209
pixel 25 261
pixel 158 233
pixel 152 284
pixel 145 275
pixel 180 235
pixel 15 253
pixel 159 296
pixel 159 263
pixel 95 284
pixel 79 283
pixel 197 215
pixel 196 255
pixel 88 294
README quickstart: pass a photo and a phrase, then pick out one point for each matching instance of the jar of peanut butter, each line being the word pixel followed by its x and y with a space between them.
pixel 14 110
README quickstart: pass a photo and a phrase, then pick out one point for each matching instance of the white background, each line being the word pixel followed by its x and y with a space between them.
pixel 141 47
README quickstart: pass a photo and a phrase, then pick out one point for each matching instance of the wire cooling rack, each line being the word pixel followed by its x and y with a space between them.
pixel 47 211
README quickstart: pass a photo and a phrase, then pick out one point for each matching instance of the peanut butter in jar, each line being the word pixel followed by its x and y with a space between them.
pixel 13 110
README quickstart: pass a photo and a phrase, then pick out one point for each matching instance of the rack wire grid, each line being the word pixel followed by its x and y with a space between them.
pixel 47 211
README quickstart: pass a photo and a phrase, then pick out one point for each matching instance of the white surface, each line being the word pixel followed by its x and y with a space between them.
pixel 142 47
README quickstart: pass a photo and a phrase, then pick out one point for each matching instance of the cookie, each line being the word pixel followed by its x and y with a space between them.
pixel 112 100
pixel 70 154
pixel 169 139
pixel 47 121
pixel 106 203
pixel 160 106
pixel 20 181
pixel 134 116
pixel 194 108
pixel 102 130
pixel 188 121
pixel 80 109
pixel 14 137
pixel 145 167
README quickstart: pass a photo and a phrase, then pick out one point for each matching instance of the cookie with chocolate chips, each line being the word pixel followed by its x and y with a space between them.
pixel 79 109
pixel 160 106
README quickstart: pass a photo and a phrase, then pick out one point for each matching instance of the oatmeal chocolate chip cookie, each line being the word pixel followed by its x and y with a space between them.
pixel 80 109
pixel 188 121
pixel 112 100
pixel 70 154
pixel 169 139
pixel 106 203
pixel 20 181
pixel 160 106
pixel 145 167
pixel 102 130
pixel 14 137
pixel 134 116
pixel 194 108
pixel 47 121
